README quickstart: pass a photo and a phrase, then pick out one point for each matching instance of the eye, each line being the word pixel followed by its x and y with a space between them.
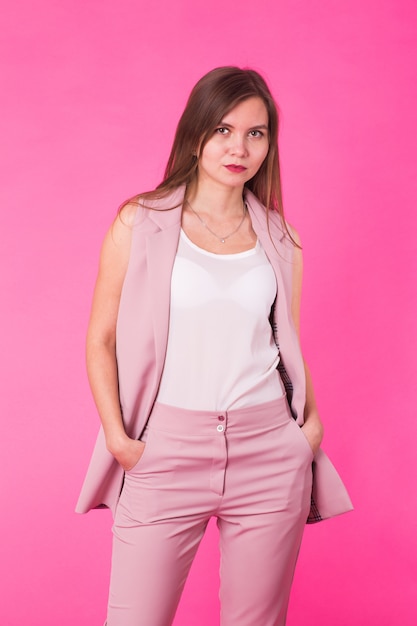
pixel 256 133
pixel 221 130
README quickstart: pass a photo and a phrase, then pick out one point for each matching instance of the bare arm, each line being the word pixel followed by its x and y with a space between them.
pixel 101 339
pixel 313 427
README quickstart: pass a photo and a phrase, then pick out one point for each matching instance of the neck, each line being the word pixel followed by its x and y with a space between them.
pixel 216 200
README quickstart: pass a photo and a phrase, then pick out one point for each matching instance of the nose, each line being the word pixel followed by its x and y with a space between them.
pixel 238 146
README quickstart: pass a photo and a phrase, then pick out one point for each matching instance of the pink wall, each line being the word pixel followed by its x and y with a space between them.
pixel 91 92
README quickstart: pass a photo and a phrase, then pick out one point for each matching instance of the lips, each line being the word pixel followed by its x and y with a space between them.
pixel 236 169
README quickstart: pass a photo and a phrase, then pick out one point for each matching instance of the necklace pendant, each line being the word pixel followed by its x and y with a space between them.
pixel 221 239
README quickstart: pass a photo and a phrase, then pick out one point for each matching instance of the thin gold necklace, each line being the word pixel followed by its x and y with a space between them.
pixel 221 239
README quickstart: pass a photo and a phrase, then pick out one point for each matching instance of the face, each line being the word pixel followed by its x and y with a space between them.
pixel 238 146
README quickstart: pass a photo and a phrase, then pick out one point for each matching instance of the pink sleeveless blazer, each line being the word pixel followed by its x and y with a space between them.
pixel 141 340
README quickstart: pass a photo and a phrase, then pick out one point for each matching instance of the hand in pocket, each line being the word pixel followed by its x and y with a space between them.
pixel 130 454
pixel 312 435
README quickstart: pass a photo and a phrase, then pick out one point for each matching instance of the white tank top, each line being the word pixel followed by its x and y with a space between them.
pixel 221 353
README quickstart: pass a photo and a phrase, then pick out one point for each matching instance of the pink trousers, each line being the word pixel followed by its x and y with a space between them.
pixel 251 469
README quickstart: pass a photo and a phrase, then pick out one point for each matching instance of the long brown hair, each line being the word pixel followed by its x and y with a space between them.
pixel 215 94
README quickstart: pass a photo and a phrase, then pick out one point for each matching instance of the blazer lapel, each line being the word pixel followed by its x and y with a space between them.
pixel 279 253
pixel 161 248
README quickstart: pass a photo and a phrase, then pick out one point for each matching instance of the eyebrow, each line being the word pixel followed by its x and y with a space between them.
pixel 256 126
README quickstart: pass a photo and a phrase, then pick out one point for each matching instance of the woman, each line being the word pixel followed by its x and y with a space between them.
pixel 193 357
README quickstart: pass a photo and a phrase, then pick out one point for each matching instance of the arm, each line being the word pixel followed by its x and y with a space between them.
pixel 101 339
pixel 313 427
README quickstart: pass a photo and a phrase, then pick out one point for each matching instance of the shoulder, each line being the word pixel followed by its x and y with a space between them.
pixel 293 244
pixel 137 209
pixel 293 233
pixel 288 236
pixel 152 209
pixel 128 213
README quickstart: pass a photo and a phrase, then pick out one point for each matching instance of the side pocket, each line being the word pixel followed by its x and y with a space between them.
pixel 304 441
pixel 143 457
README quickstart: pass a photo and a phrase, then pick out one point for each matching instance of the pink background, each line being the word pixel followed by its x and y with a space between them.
pixel 91 92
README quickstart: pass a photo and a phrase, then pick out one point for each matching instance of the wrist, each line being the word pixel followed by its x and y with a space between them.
pixel 116 442
pixel 314 426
